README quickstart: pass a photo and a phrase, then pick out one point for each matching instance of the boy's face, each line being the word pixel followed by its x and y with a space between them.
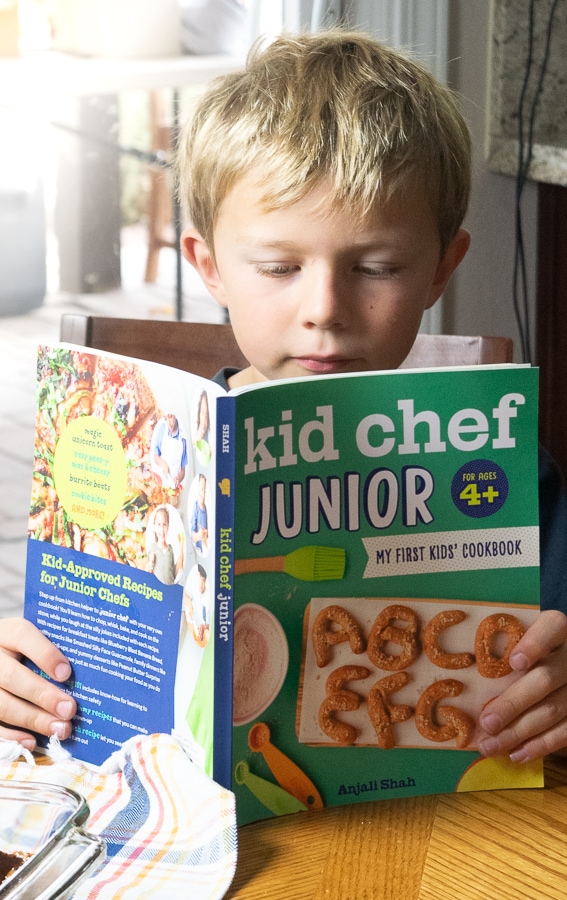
pixel 313 290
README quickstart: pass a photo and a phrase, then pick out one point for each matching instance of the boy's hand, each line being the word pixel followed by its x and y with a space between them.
pixel 529 719
pixel 28 701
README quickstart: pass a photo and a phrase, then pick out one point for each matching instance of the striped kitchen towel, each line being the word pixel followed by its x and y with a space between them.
pixel 170 831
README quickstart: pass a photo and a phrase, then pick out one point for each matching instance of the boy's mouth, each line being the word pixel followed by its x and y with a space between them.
pixel 326 365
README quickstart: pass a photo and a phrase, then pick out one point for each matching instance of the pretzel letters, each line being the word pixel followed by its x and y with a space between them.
pixel 383 713
pixel 432 631
pixel 488 662
pixel 333 625
pixel 340 699
pixel 400 626
pixel 384 632
pixel 443 723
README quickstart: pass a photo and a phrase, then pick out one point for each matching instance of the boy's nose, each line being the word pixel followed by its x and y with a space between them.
pixel 324 303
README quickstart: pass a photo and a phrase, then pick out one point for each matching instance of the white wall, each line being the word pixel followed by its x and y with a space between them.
pixel 479 299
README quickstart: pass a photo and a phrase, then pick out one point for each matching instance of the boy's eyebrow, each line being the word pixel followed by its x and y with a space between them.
pixel 260 243
pixel 267 244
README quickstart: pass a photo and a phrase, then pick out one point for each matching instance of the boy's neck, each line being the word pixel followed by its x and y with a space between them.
pixel 245 377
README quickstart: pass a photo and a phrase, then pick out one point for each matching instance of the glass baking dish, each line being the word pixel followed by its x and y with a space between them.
pixel 41 822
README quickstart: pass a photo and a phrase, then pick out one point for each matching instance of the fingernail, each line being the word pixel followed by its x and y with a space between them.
pixel 491 722
pixel 519 662
pixel 61 729
pixel 62 672
pixel 488 747
pixel 519 756
pixel 28 743
pixel 64 709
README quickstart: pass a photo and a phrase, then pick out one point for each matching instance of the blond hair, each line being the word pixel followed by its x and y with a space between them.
pixel 334 105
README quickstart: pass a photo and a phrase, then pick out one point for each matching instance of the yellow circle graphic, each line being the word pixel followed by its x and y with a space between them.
pixel 90 472
pixel 499 772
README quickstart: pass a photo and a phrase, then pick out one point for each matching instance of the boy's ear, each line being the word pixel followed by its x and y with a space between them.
pixel 453 255
pixel 196 251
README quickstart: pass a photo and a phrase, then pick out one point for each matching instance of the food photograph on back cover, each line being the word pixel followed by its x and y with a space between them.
pixel 95 414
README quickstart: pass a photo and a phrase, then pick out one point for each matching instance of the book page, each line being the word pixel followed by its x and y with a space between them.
pixel 121 561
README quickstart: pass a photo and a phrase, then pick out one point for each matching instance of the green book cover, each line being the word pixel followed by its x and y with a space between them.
pixel 381 556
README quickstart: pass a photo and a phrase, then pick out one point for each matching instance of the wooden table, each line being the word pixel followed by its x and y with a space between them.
pixel 488 845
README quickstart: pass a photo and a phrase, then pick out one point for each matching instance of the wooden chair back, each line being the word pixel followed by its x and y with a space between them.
pixel 198 347
pixel 205 348
pixel 432 350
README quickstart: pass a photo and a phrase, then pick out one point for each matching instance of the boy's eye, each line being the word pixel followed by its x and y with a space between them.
pixel 275 270
pixel 376 270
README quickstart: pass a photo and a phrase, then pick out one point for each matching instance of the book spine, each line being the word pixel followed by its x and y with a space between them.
pixel 224 590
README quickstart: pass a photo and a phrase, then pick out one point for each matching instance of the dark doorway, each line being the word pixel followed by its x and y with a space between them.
pixel 552 320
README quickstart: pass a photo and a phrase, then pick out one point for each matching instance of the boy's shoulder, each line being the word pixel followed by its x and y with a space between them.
pixel 222 376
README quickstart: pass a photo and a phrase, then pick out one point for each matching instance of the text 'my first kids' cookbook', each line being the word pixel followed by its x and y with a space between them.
pixel 315 584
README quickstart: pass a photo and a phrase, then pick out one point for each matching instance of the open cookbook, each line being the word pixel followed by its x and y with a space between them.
pixel 315 584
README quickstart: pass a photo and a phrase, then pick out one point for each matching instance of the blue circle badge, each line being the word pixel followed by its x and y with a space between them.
pixel 479 488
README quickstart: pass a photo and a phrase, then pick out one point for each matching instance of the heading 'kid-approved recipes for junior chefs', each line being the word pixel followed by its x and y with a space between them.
pixel 315 583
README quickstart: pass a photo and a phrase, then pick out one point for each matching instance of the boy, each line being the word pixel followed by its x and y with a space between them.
pixel 326 185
